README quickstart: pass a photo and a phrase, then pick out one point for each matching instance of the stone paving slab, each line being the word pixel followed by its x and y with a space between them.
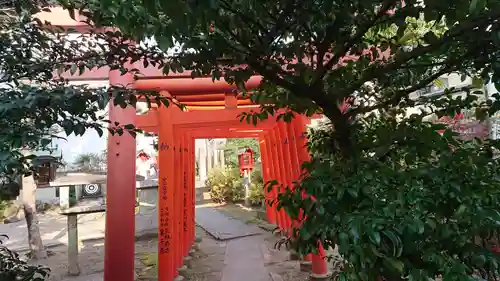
pixel 222 227
pixel 244 260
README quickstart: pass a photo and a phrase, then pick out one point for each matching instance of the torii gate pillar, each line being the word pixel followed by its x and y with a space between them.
pixel 120 192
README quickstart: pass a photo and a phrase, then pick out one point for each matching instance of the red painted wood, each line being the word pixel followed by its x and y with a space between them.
pixel 166 184
pixel 178 215
pixel 278 173
pixel 319 263
pixel 299 126
pixel 286 160
pixel 192 184
pixel 264 154
pixel 283 176
pixel 120 194
pixel 186 85
pixel 187 193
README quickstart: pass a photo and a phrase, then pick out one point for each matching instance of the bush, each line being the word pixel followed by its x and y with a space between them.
pixel 424 209
pixel 256 196
pixel 225 185
pixel 13 268
pixel 3 206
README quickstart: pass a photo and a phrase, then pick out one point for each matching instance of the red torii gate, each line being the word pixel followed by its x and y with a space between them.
pixel 212 112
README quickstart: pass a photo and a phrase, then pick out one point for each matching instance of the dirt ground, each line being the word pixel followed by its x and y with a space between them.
pixel 207 264
pixel 208 261
pixel 91 258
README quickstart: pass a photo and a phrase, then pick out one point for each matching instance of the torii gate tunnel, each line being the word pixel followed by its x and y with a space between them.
pixel 212 111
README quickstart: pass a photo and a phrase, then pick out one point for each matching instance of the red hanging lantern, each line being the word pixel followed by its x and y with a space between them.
pixel 143 156
pixel 246 160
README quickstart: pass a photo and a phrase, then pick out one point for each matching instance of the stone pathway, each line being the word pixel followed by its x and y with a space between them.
pixel 222 227
pixel 245 261
pixel 244 256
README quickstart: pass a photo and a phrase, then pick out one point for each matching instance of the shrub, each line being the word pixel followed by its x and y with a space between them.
pixel 3 206
pixel 256 195
pixel 13 268
pixel 225 185
pixel 423 209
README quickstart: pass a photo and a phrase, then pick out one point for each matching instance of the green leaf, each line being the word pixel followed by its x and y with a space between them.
pixel 99 131
pixel 460 210
pixel 374 237
pixel 420 226
pixel 479 260
pixel 129 126
pixel 477 82
pixel 395 264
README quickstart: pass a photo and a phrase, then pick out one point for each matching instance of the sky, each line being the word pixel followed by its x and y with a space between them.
pixel 90 142
pixel 73 146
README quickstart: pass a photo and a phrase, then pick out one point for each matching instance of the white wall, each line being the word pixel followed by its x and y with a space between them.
pixel 454 80
pixel 44 195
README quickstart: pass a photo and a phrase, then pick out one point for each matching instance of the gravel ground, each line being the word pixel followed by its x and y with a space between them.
pixel 91 258
pixel 207 264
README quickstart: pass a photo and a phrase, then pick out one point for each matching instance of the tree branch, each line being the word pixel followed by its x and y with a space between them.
pixel 402 57
pixel 399 95
pixel 280 23
pixel 244 16
pixel 339 53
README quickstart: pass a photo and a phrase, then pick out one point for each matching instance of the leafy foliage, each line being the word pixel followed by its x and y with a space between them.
pixel 409 206
pixel 256 196
pixel 389 190
pixel 234 146
pixel 13 268
pixel 226 186
pixel 35 98
pixel 377 51
pixel 4 204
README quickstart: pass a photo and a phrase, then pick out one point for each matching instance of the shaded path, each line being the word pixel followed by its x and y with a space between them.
pixel 222 227
pixel 244 259
pixel 244 255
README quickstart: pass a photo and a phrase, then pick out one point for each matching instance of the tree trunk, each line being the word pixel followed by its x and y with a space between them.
pixel 37 250
pixel 342 133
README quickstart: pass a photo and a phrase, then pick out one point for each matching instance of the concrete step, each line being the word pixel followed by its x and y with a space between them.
pixel 202 194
